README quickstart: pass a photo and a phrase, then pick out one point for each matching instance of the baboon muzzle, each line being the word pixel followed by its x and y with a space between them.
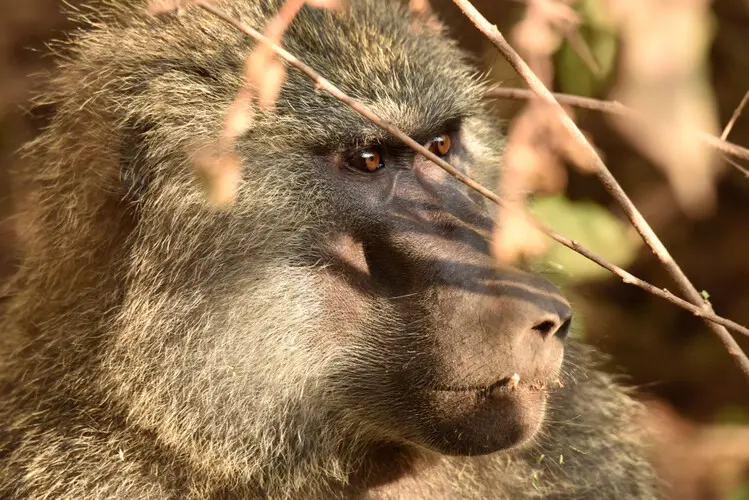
pixel 494 340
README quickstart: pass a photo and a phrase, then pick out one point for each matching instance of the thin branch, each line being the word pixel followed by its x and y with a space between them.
pixel 729 127
pixel 324 84
pixel 631 279
pixel 617 108
pixel 582 50
pixel 735 116
pixel 738 167
pixel 606 178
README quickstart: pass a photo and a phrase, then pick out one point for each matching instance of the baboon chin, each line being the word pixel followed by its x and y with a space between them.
pixel 339 331
pixel 480 421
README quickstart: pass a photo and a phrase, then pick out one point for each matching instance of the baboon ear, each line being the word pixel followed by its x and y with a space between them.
pixel 134 174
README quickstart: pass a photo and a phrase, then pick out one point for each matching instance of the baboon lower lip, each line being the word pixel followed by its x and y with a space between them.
pixel 507 383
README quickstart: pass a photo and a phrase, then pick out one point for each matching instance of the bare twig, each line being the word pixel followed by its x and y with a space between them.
pixel 606 178
pixel 729 127
pixel 323 84
pixel 735 116
pixel 738 167
pixel 617 108
pixel 630 279
pixel 581 48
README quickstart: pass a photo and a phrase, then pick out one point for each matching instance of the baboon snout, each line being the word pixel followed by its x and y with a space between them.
pixel 488 321
pixel 530 305
pixel 498 349
pixel 503 323
pixel 429 250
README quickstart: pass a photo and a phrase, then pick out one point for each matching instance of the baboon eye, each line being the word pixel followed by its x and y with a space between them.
pixel 440 145
pixel 366 160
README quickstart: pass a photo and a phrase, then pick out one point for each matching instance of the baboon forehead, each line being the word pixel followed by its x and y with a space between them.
pixel 400 63
pixel 183 71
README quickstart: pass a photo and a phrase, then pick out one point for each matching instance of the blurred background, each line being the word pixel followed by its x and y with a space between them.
pixel 685 64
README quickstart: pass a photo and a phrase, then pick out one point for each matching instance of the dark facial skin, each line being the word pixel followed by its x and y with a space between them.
pixel 471 347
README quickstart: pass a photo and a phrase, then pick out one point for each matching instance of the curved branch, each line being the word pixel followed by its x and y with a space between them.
pixel 617 108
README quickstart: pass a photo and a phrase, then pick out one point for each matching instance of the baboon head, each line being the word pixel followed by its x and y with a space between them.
pixel 432 334
pixel 346 299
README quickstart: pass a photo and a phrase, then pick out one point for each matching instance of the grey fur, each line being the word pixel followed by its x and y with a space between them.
pixel 155 348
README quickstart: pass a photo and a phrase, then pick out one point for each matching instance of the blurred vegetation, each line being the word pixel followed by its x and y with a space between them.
pixel 594 227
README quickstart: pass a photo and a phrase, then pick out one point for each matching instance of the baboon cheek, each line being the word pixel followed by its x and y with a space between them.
pixel 481 422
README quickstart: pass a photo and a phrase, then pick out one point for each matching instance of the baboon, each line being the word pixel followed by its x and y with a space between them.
pixel 339 331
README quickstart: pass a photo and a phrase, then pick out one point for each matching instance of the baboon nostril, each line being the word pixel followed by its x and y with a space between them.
pixel 563 330
pixel 546 328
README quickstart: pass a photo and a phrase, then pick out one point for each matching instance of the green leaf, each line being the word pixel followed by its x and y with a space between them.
pixel 740 493
pixel 573 74
pixel 591 225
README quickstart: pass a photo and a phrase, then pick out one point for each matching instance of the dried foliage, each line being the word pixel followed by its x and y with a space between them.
pixel 664 75
pixel 220 172
pixel 419 6
pixel 159 7
pixel 537 143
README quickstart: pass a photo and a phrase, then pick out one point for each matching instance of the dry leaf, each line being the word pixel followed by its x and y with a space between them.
pixel 533 149
pixel 269 86
pixel 558 13
pixel 419 6
pixel 537 141
pixel 534 37
pixel 239 116
pixel 514 237
pixel 265 74
pixel 337 5
pixel 530 166
pixel 160 7
pixel 663 75
pixel 540 31
pixel 220 172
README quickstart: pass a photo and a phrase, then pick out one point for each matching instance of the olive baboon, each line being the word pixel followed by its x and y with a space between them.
pixel 339 331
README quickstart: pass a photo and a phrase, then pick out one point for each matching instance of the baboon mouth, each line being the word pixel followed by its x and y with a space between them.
pixel 479 419
pixel 507 384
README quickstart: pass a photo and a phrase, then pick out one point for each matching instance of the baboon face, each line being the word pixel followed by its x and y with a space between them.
pixel 350 287
pixel 438 346
pixel 442 333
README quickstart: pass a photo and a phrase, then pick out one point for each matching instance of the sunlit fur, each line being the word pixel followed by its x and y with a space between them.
pixel 156 348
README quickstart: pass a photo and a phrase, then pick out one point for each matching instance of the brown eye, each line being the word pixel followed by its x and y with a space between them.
pixel 366 160
pixel 440 145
